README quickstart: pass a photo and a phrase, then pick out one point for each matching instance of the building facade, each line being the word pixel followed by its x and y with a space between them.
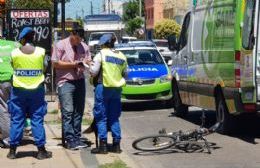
pixel 175 9
pixel 153 14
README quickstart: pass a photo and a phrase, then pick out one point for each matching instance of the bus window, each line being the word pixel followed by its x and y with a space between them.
pixel 248 26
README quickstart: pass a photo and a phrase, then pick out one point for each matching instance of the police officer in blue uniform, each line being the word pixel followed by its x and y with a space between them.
pixel 109 69
pixel 27 95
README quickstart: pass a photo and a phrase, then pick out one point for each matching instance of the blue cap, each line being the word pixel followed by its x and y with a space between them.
pixel 106 38
pixel 24 32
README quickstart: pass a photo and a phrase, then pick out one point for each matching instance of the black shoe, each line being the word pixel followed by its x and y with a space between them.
pixel 81 144
pixel 86 141
pixel 102 149
pixel 12 152
pixel 43 153
pixel 116 147
pixel 72 145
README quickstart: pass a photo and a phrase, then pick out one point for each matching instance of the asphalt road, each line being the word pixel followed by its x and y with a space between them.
pixel 241 150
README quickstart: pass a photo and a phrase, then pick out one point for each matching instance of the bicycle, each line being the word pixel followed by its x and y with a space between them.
pixel 188 141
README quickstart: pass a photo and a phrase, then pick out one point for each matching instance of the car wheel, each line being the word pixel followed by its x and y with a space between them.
pixel 181 110
pixel 223 118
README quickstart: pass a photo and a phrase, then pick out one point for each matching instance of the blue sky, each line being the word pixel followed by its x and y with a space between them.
pixel 76 7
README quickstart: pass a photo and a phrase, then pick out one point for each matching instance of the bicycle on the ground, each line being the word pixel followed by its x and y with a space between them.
pixel 188 141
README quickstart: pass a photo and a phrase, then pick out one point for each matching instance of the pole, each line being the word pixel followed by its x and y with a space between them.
pixel 82 12
pixel 55 21
pixel 140 8
pixel 91 5
pixel 108 6
pixel 63 18
pixel 63 36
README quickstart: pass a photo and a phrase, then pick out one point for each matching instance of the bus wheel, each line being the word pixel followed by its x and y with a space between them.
pixel 223 118
pixel 181 110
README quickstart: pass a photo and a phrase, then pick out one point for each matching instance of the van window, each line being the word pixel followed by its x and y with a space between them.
pixel 248 26
pixel 197 29
pixel 184 32
pixel 214 28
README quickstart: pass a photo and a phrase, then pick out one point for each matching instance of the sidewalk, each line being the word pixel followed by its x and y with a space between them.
pixel 62 158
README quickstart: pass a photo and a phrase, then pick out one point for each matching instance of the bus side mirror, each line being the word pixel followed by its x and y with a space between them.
pixel 172 42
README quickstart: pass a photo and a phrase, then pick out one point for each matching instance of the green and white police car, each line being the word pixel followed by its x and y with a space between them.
pixel 149 77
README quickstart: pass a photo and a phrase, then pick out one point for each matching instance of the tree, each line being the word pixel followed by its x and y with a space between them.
pixel 165 28
pixel 131 17
pixel 30 4
pixel 133 24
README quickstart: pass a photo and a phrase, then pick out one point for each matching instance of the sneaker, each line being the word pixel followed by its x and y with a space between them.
pixel 81 144
pixel 6 142
pixel 71 145
pixel 86 141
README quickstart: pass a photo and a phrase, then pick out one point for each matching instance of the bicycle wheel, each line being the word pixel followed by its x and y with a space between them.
pixel 153 142
pixel 189 146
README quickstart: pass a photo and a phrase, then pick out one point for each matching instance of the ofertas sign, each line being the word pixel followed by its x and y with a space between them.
pixel 39 20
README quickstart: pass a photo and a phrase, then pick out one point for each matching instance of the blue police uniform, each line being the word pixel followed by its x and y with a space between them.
pixel 108 88
pixel 27 95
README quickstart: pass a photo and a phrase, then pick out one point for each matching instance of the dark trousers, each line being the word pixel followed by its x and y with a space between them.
pixel 5 89
pixel 72 101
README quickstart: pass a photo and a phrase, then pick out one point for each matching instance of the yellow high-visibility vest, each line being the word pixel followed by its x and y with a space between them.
pixel 113 66
pixel 28 68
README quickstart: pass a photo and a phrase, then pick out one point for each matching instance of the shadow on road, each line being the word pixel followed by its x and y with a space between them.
pixel 213 146
pixel 26 154
pixel 143 106
pixel 246 126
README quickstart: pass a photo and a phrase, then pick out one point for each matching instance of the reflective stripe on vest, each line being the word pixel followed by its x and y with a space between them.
pixel 113 65
pixel 28 68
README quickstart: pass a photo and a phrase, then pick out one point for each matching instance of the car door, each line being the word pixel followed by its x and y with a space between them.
pixel 180 61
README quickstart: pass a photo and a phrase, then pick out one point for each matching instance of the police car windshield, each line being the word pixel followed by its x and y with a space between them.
pixel 142 57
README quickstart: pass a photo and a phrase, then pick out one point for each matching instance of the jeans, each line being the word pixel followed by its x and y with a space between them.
pixel 5 89
pixel 107 110
pixel 72 101
pixel 32 102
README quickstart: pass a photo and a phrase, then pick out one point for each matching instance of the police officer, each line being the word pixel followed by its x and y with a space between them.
pixel 6 72
pixel 27 95
pixel 108 70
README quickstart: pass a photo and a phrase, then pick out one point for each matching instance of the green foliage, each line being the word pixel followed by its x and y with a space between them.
pixel 131 11
pixel 115 164
pixel 31 4
pixel 165 28
pixel 81 23
pixel 131 16
pixel 133 24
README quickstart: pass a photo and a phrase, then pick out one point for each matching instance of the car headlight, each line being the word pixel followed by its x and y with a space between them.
pixel 165 78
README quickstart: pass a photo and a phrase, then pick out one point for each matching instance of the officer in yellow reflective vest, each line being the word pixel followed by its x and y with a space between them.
pixel 27 95
pixel 109 69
